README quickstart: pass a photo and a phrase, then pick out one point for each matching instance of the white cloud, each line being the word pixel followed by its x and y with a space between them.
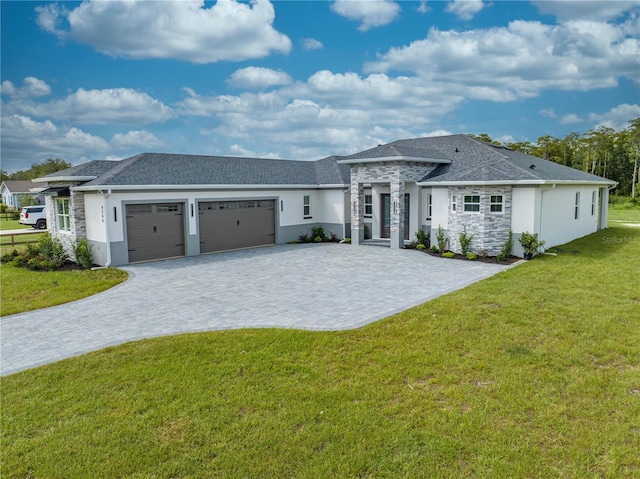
pixel 183 30
pixel 258 77
pixel 519 61
pixel 423 8
pixel 586 9
pixel 136 139
pixel 548 113
pixel 100 107
pixel 618 117
pixel 371 13
pixel 465 9
pixel 311 44
pixel 32 88
pixel 571 119
pixel 26 141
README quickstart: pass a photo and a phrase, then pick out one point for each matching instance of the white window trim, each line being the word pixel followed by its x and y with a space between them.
pixel 492 204
pixel 306 207
pixel 465 203
pixel 60 216
pixel 370 204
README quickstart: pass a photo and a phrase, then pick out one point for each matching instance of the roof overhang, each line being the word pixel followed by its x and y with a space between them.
pixel 202 187
pixel 53 179
pixel 392 159
pixel 55 191
pixel 515 182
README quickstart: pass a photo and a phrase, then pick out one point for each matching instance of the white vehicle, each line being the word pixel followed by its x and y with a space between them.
pixel 36 216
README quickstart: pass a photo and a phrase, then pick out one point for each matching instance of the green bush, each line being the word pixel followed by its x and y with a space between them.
pixel 472 256
pixel 51 249
pixel 304 238
pixel 449 254
pixel 420 246
pixel 465 241
pixel 317 239
pixel 505 251
pixel 318 231
pixel 15 215
pixel 442 239
pixel 347 240
pixel 3 208
pixel 434 249
pixel 9 256
pixel 48 254
pixel 423 239
pixel 83 253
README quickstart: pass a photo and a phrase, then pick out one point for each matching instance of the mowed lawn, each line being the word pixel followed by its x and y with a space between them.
pixel 533 373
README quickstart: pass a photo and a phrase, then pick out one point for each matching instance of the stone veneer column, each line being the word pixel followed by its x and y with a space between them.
pixel 397 212
pixel 357 212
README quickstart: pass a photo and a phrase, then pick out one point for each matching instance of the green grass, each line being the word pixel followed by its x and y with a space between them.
pixel 11 225
pixel 623 210
pixel 533 373
pixel 25 290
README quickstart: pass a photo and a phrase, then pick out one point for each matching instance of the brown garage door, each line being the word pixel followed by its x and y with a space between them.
pixel 236 224
pixel 155 231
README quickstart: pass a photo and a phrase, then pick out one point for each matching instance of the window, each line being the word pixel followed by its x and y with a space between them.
pixel 62 214
pixel 576 210
pixel 453 204
pixel 471 203
pixel 496 204
pixel 429 203
pixel 307 206
pixel 368 205
pixel 593 203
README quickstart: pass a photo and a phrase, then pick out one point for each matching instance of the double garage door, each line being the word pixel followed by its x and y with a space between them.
pixel 156 231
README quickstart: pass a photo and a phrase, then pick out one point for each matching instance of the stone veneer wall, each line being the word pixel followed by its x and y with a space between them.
pixel 77 220
pixel 491 229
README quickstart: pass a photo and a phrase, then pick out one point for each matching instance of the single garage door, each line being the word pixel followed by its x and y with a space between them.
pixel 236 224
pixel 155 231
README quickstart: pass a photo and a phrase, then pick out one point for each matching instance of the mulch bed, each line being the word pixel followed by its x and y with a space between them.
pixel 484 259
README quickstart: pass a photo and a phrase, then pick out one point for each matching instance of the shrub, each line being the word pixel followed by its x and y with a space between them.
pixel 15 215
pixel 8 256
pixel 3 208
pixel 420 246
pixel 442 240
pixel 423 239
pixel 317 239
pixel 51 249
pixel 434 249
pixel 530 242
pixel 347 240
pixel 318 232
pixel 449 254
pixel 506 248
pixel 465 241
pixel 472 256
pixel 83 253
pixel 305 238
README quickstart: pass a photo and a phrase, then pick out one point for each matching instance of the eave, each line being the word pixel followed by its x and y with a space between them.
pixel 515 182
pixel 392 159
pixel 203 187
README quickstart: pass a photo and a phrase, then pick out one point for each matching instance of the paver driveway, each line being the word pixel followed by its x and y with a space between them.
pixel 314 287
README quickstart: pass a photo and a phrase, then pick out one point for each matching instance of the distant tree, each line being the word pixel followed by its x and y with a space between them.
pixel 3 175
pixel 484 137
pixel 521 146
pixel 37 170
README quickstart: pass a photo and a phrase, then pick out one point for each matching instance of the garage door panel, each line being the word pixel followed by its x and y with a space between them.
pixel 155 231
pixel 236 224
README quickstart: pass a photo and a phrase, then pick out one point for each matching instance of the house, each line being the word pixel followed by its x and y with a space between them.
pixel 14 192
pixel 154 206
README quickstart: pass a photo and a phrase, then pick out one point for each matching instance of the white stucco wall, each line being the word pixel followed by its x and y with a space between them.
pixel 557 222
pixel 523 211
pixel 440 208
pixel 327 206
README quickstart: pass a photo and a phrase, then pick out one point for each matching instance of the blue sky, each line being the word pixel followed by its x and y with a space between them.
pixel 306 79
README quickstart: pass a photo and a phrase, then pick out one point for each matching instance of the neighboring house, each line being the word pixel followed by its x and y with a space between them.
pixel 154 206
pixel 14 192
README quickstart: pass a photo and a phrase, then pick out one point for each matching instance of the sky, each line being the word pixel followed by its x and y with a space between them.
pixel 303 80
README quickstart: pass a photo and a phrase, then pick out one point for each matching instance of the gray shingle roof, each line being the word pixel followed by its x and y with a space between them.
pixel 173 169
pixel 471 161
pixel 476 160
pixel 21 186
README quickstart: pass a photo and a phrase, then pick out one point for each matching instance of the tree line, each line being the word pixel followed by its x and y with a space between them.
pixel 37 170
pixel 601 151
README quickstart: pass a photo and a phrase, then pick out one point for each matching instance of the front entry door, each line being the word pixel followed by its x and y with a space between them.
pixel 385 230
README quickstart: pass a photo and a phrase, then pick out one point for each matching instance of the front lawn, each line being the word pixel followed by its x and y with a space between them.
pixel 534 372
pixel 11 225
pixel 24 290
